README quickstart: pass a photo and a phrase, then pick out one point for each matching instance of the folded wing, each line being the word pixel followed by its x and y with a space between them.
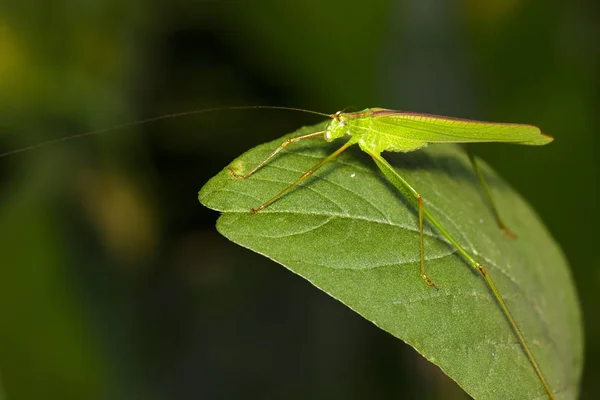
pixel 438 129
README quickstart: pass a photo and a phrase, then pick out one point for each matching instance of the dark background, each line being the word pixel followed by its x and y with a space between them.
pixel 113 280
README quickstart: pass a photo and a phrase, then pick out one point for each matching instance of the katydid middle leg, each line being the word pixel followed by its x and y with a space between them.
pixel 303 177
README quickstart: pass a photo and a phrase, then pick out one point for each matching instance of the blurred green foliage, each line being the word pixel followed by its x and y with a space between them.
pixel 353 235
pixel 114 282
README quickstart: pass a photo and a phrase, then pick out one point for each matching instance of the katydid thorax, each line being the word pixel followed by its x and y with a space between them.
pixel 376 130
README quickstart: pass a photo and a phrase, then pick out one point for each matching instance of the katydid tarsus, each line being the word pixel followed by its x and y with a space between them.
pixel 376 130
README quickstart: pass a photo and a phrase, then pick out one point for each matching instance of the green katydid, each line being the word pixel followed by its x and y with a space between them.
pixel 376 130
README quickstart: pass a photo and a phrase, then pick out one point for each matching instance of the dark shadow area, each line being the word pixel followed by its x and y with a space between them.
pixel 114 282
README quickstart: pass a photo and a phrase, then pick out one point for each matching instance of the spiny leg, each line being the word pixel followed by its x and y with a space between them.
pixel 488 195
pixel 410 193
pixel 274 153
pixel 422 247
pixel 303 177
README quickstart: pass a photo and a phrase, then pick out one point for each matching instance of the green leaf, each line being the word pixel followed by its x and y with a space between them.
pixel 352 235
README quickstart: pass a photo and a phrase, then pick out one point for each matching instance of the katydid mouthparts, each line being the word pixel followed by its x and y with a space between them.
pixel 377 130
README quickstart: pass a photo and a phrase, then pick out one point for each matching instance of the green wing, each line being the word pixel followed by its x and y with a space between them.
pixel 438 129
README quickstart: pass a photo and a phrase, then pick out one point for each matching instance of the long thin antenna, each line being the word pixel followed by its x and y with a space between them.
pixel 145 121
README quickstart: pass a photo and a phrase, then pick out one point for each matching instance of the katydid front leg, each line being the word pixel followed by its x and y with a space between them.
pixel 301 178
pixel 274 153
pixel 411 194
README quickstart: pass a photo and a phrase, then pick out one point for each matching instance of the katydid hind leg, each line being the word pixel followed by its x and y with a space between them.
pixel 487 193
pixel 405 188
pixel 303 177
pixel 411 193
pixel 428 281
pixel 274 153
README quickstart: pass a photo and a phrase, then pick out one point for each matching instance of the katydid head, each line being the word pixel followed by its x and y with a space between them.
pixel 337 128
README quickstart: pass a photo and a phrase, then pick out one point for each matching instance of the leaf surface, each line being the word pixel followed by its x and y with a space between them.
pixel 351 234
